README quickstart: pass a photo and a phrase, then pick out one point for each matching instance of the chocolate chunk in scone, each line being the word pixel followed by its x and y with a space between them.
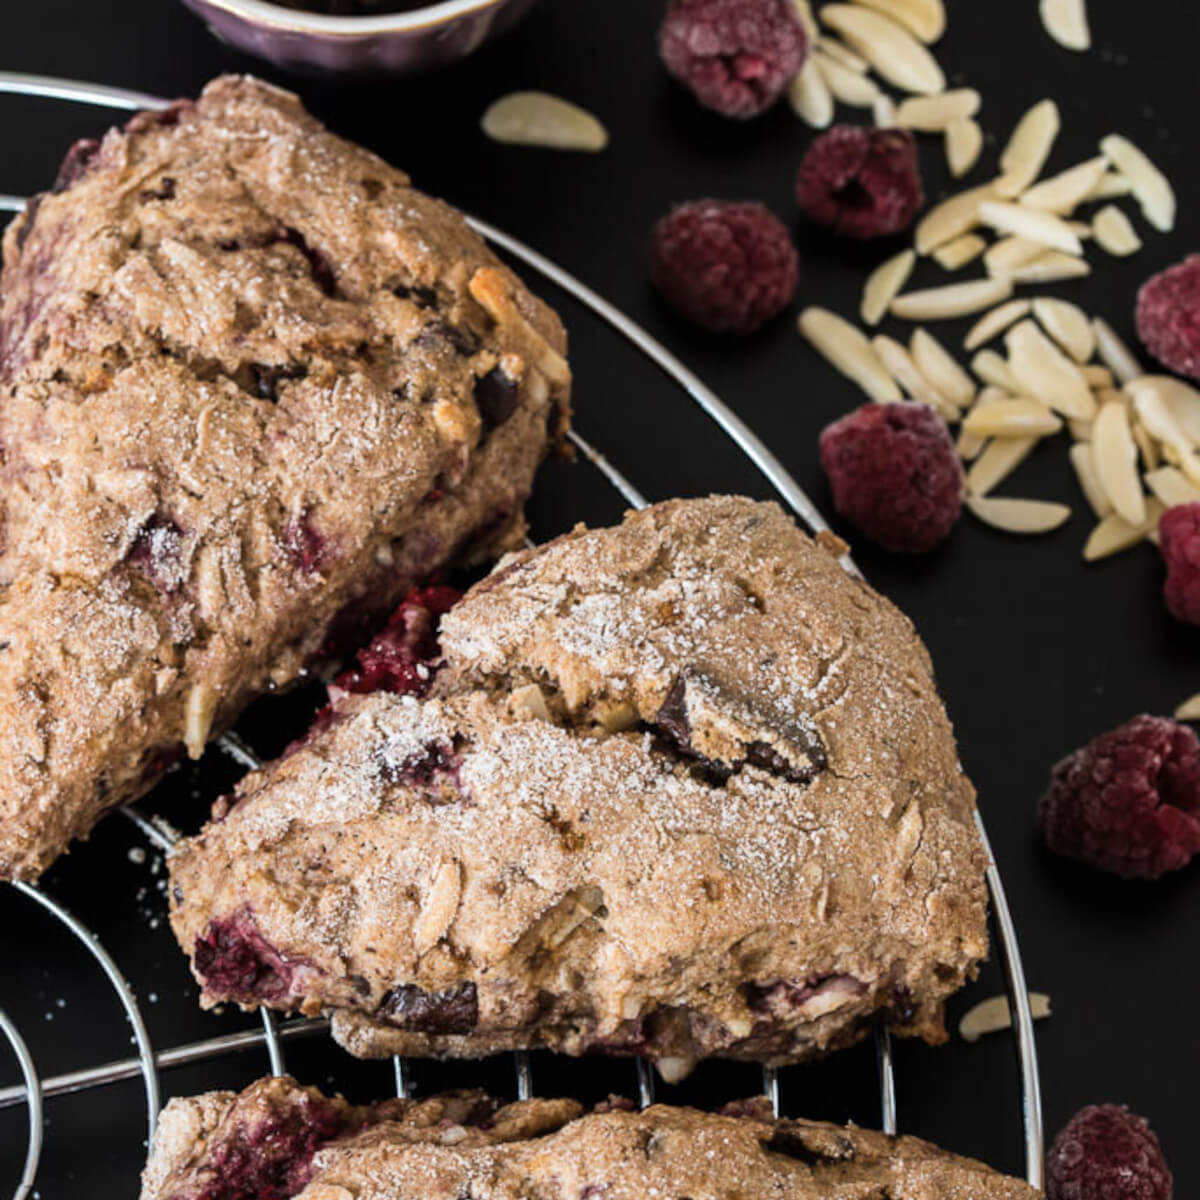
pixel 255 386
pixel 277 1140
pixel 680 788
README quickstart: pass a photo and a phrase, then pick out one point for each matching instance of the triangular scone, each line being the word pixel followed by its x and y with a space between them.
pixel 254 386
pixel 278 1140
pixel 681 788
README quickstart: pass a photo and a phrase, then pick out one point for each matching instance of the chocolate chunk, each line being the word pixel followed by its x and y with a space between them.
pixel 496 397
pixel 268 378
pixel 791 1142
pixel 464 342
pixel 453 1011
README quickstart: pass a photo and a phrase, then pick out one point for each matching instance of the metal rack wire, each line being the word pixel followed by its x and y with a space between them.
pixel 33 1091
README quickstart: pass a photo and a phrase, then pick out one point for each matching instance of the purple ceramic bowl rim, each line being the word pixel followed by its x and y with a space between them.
pixel 291 20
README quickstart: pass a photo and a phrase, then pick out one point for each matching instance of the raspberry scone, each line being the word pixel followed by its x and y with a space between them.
pixel 254 387
pixel 680 788
pixel 277 1140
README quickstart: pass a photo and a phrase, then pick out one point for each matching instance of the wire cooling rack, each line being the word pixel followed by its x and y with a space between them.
pixel 274 1035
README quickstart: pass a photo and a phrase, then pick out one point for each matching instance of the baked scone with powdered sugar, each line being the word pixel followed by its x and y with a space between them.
pixel 277 1140
pixel 680 788
pixel 254 387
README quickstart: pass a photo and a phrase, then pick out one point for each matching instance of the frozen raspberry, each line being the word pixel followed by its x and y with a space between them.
pixel 737 56
pixel 1179 540
pixel 894 475
pixel 401 659
pixel 1105 1152
pixel 1129 801
pixel 730 267
pixel 1168 316
pixel 861 183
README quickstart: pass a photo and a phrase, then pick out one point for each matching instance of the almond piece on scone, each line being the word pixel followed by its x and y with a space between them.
pixel 255 386
pixel 278 1139
pixel 680 788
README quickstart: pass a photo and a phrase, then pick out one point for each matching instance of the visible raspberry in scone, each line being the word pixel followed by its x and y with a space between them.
pixel 895 475
pixel 235 436
pixel 594 829
pixel 1129 801
pixel 729 267
pixel 737 56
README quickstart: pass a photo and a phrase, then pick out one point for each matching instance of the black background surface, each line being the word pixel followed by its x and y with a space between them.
pixel 1035 651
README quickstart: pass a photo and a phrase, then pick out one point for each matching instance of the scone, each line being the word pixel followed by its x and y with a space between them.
pixel 680 788
pixel 254 386
pixel 277 1140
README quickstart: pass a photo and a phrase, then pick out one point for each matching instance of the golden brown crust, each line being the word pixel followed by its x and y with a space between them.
pixel 248 392
pixel 567 846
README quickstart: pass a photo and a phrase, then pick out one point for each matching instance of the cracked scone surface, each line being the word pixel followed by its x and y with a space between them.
pixel 464 1147
pixel 254 386
pixel 680 787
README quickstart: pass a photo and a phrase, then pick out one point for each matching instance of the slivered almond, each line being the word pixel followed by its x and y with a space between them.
pixel 1081 431
pixel 950 219
pixel 1018 516
pixel 932 114
pixel 993 1016
pixel 846 84
pixel 1011 253
pixel 893 52
pixel 540 119
pixel 1064 192
pixel 964 142
pixel 1147 447
pixel 1051 267
pixel 1115 456
pixel 969 445
pixel 1066 22
pixel 955 255
pixel 1089 482
pixel 1149 185
pixel 1189 710
pixel 994 323
pixel 1181 399
pixel 1069 326
pixel 199 711
pixel 994 370
pixel 850 352
pixel 1115 534
pixel 904 371
pixel 835 49
pixel 1117 356
pixel 939 366
pixel 925 19
pixel 884 111
pixel 1045 373
pixel 811 28
pixel 1112 186
pixel 884 284
pixel 1097 376
pixel 1115 233
pixel 1156 416
pixel 1001 458
pixel 953 300
pixel 1042 227
pixel 1015 417
pixel 810 97
pixel 1028 148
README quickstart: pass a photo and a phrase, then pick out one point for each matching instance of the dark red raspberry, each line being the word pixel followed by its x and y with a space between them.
pixel 1105 1152
pixel 1168 316
pixel 1179 540
pixel 1129 801
pixel 894 475
pixel 401 659
pixel 737 56
pixel 730 267
pixel 861 183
